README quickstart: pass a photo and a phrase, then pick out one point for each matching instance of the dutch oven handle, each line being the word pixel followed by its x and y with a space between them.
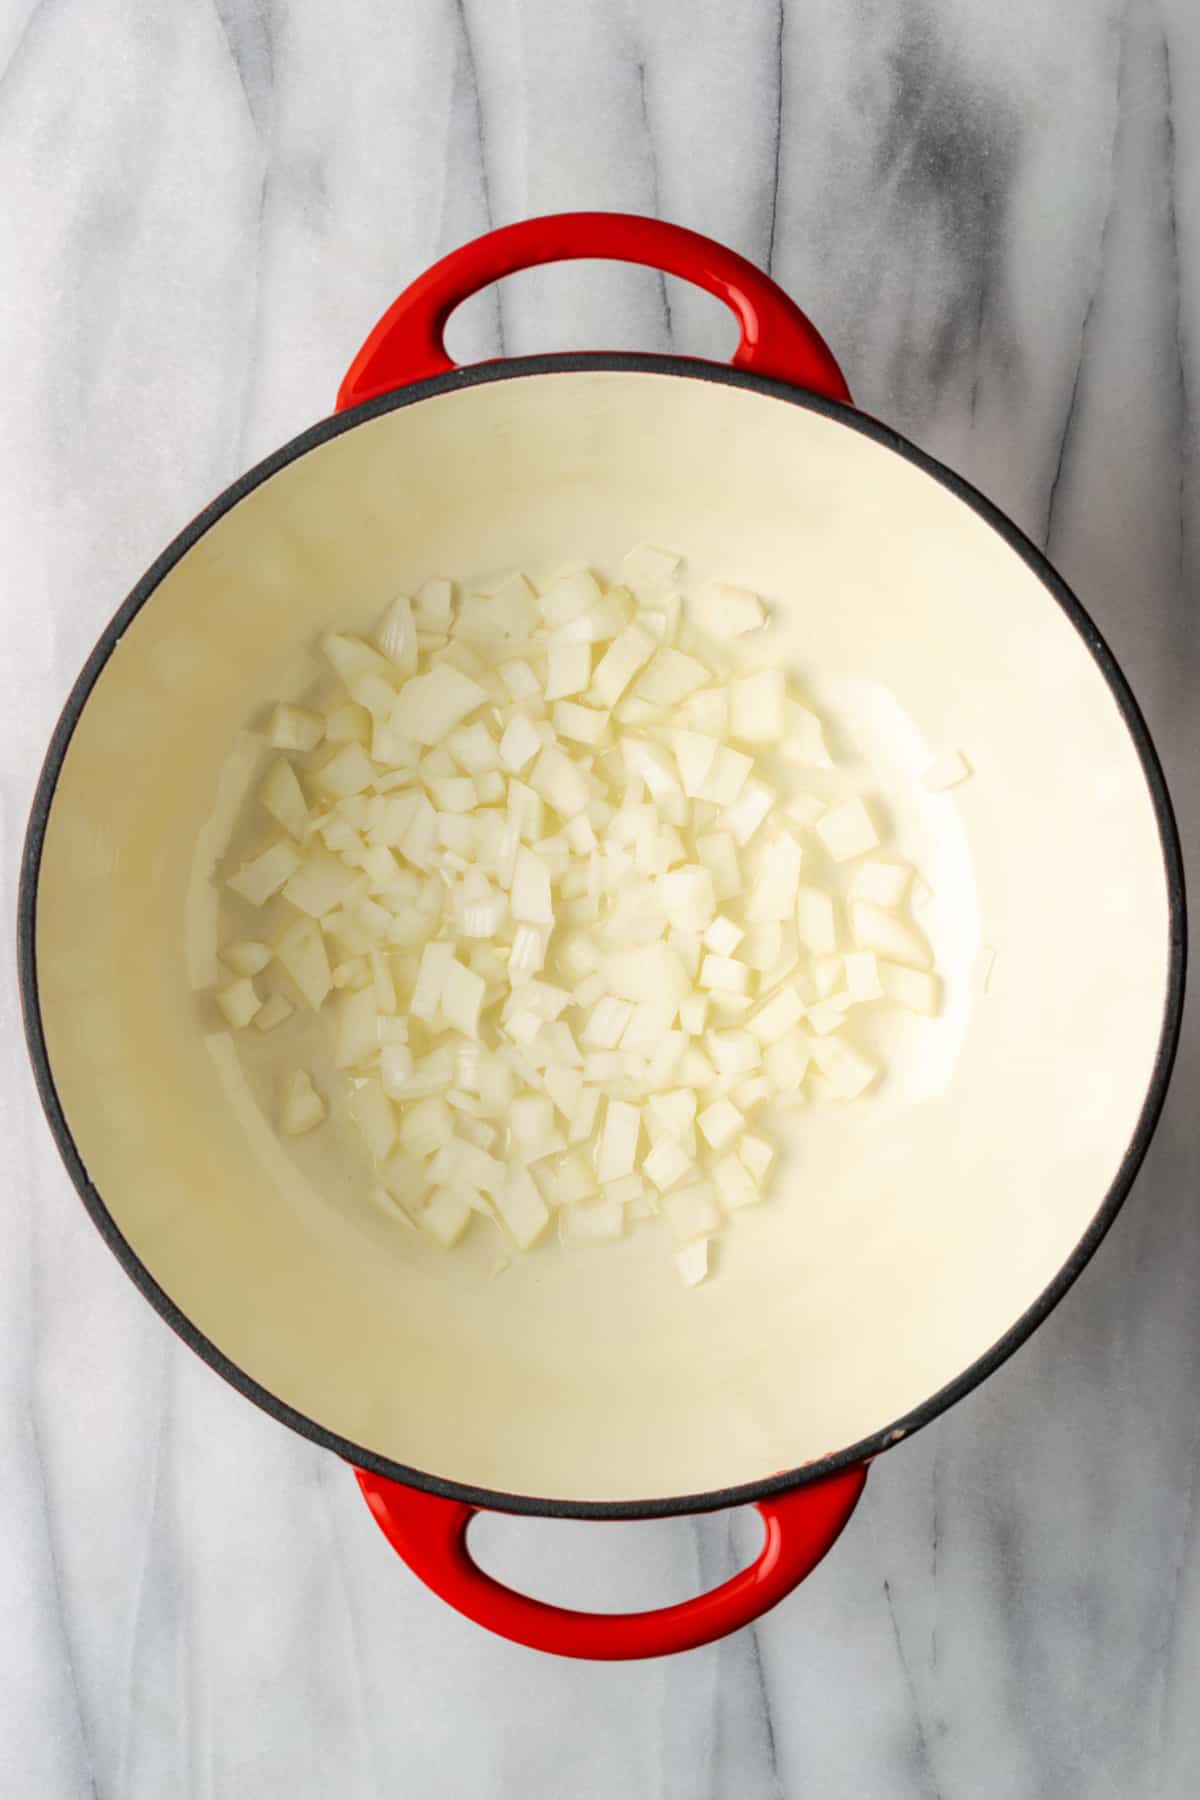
pixel 430 1533
pixel 408 342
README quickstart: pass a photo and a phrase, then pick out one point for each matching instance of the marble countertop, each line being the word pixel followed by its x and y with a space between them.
pixel 993 212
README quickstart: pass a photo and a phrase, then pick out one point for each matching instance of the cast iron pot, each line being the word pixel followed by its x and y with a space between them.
pixel 927 1230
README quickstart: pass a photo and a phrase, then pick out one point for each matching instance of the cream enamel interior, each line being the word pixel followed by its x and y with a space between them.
pixel 910 1232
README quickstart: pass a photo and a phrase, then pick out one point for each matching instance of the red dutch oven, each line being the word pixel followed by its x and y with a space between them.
pixel 923 1232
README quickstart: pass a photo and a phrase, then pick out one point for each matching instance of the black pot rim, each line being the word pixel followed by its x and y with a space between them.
pixel 689 369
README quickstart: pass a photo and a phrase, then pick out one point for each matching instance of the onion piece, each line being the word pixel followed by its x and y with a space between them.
pixel 773 894
pixel 748 811
pixel 670 677
pixel 265 874
pixel 301 1107
pixel 692 1262
pixel 911 988
pixel 318 884
pixel 294 728
pixel 720 1123
pixel 687 896
pixel 718 854
pixel 666 1165
pixel 724 611
pixel 757 1154
pixel 273 1011
pixel 627 653
pixel 462 997
pixel 756 707
pixel 583 724
pixel 238 1002
pixel 247 957
pixel 519 744
pixel 592 1221
pixel 725 973
pixel 569 670
pixel 691 1212
pixel 522 1208
pixel 300 949
pixel 283 797
pixel 617 1149
pixel 815 924
pixel 396 635
pixel 847 830
pixel 428 707
pixel 876 929
pixel 722 935
pixel 645 568
pixel 735 1184
pixel 862 975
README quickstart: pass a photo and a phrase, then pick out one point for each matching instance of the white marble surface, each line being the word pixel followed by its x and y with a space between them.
pixel 993 211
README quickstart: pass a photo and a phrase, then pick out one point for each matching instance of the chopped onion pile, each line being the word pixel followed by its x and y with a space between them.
pixel 574 948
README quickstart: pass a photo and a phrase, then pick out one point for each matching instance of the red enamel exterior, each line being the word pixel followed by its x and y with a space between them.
pixel 407 344
pixel 431 1535
pixel 777 340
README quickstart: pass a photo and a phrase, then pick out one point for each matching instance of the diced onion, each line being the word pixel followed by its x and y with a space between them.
pixel 756 707
pixel 735 1183
pixel 915 989
pixel 247 957
pixel 273 1012
pixel 265 874
pixel 877 929
pixel 561 913
pixel 301 1107
pixel 847 830
pixel 295 728
pixel 691 1211
pixel 723 611
pixel 720 1123
pixel 692 1262
pixel 238 1003
pixel 283 797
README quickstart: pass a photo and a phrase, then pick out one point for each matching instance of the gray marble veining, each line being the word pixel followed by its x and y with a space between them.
pixel 993 212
